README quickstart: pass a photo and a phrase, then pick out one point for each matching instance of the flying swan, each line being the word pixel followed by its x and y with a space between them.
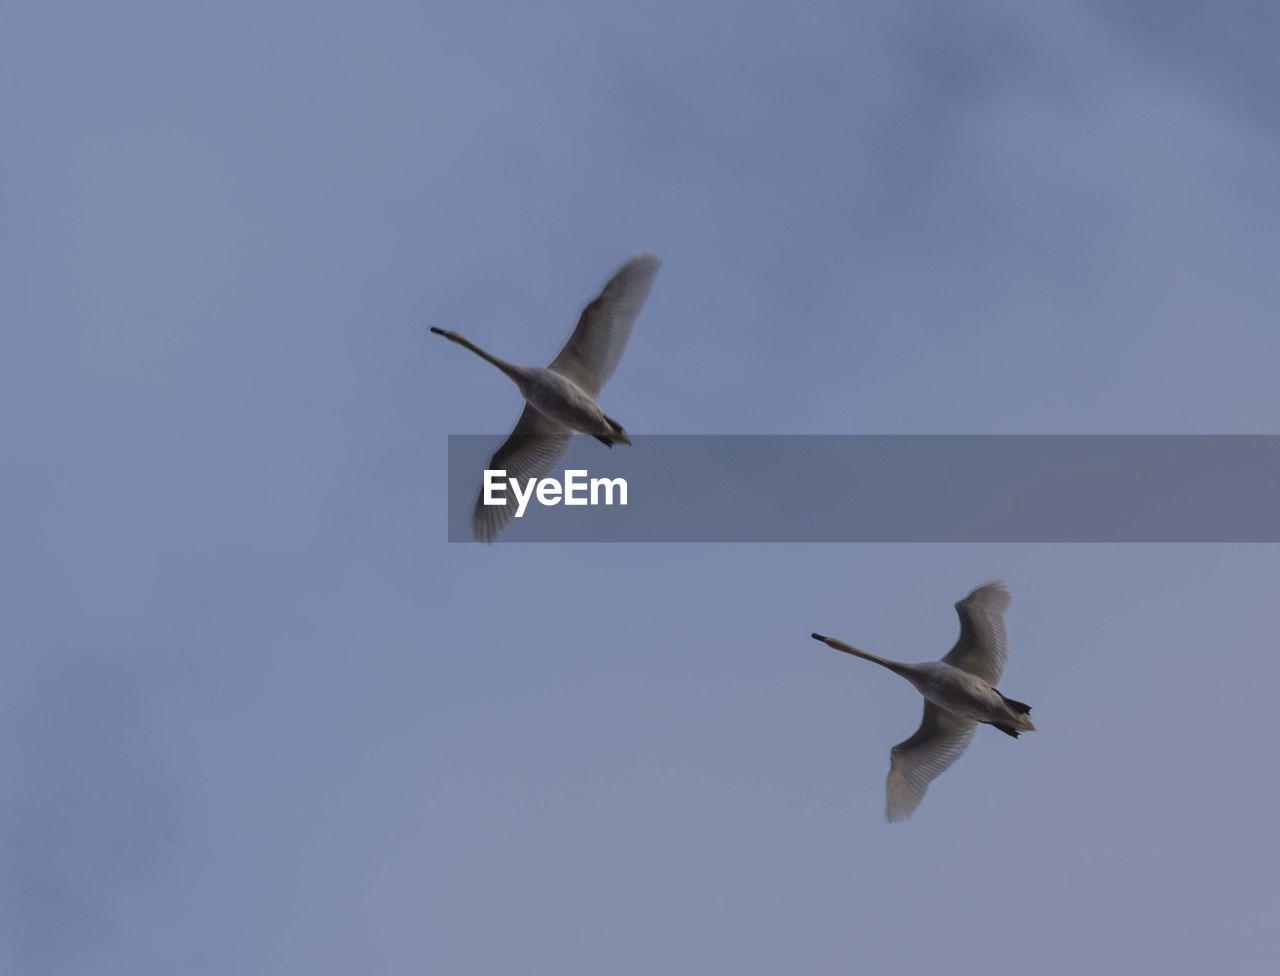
pixel 561 398
pixel 959 692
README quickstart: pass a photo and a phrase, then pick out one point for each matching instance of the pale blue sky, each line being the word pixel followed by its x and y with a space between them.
pixel 257 716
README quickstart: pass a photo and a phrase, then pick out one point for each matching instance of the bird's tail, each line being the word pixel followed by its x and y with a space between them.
pixel 616 434
pixel 1020 707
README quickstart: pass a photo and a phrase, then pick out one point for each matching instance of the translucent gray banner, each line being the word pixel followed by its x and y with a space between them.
pixel 899 488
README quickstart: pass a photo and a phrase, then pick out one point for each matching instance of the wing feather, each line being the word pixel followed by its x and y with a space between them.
pixel 531 451
pixel 983 646
pixel 593 351
pixel 916 762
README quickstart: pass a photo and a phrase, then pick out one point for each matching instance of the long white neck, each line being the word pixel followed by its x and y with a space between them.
pixel 839 645
pixel 515 372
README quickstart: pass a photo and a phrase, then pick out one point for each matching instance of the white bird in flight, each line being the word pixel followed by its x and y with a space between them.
pixel 561 398
pixel 959 692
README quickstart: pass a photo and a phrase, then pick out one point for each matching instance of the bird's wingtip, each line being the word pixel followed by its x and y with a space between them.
pixel 994 593
pixel 818 637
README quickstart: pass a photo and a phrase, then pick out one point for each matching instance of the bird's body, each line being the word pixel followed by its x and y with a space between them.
pixel 561 398
pixel 959 691
pixel 965 694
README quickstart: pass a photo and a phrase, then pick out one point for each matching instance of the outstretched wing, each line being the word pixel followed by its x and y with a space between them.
pixel 916 762
pixel 531 451
pixel 593 351
pixel 983 646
